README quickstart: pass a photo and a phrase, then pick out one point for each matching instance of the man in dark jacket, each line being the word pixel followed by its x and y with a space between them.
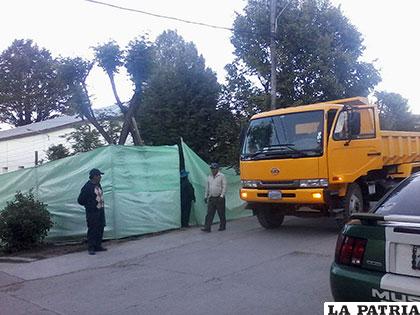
pixel 187 196
pixel 92 198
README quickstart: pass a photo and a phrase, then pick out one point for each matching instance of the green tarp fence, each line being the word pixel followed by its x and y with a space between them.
pixel 141 189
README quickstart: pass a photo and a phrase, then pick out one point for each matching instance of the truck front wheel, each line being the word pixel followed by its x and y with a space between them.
pixel 270 218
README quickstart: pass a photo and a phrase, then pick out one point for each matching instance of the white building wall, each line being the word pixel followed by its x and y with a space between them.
pixel 15 153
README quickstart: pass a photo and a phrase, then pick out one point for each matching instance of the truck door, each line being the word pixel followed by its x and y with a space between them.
pixel 354 145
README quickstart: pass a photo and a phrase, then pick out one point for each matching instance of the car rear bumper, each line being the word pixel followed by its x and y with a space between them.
pixel 352 284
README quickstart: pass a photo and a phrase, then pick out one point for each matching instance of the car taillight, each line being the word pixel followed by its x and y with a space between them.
pixel 350 250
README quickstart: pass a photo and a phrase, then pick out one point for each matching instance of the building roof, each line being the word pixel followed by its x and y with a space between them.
pixel 55 123
pixel 39 127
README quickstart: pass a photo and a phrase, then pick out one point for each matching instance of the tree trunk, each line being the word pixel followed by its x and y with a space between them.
pixel 88 113
pixel 98 127
pixel 128 118
pixel 135 132
pixel 133 127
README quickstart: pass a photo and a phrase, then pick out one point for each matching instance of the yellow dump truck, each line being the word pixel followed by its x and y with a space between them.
pixel 325 159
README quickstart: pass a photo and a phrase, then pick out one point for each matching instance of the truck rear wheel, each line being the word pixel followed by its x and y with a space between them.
pixel 270 218
pixel 353 202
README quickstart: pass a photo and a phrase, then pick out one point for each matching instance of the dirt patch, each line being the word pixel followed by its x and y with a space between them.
pixel 49 249
pixel 44 250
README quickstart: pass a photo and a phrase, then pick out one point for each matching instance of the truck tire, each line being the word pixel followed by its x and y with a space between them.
pixel 353 202
pixel 270 218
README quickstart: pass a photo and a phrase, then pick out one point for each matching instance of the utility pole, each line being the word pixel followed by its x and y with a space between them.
pixel 273 56
pixel 274 17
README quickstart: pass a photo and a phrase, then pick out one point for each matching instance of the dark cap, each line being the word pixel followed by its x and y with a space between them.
pixel 214 165
pixel 94 172
pixel 183 173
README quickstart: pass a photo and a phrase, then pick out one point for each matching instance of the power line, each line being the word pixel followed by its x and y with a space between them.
pixel 161 16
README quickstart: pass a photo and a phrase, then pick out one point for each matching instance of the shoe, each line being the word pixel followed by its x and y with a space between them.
pixel 222 228
pixel 91 252
pixel 101 249
pixel 206 230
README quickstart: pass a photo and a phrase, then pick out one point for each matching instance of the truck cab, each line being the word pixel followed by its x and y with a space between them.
pixel 321 159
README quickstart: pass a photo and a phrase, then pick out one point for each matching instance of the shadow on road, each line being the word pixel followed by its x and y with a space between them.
pixel 308 226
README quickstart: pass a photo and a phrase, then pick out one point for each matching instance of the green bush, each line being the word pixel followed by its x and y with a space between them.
pixel 24 222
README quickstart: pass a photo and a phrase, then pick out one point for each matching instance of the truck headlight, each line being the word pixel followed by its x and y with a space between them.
pixel 318 182
pixel 249 183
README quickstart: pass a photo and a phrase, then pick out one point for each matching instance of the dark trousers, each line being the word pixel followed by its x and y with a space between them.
pixel 215 204
pixel 95 219
pixel 185 213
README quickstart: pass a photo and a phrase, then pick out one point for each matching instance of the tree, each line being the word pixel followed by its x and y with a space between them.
pixel 317 48
pixel 226 145
pixel 24 222
pixel 112 124
pixel 240 95
pixel 110 58
pixel 180 98
pixel 74 72
pixel 84 139
pixel 394 111
pixel 30 90
pixel 138 63
pixel 56 152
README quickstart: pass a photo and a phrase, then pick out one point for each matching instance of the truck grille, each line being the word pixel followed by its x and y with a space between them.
pixel 284 195
pixel 291 184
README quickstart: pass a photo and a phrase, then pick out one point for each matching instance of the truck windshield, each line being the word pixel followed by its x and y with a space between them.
pixel 282 136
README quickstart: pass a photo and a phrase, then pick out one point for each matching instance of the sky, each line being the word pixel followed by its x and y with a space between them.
pixel 71 27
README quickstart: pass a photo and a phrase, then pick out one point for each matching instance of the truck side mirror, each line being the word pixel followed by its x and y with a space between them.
pixel 354 123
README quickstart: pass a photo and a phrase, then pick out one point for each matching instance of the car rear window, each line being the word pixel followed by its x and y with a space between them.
pixel 403 200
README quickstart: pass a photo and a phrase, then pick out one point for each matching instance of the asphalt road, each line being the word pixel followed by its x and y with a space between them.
pixel 243 270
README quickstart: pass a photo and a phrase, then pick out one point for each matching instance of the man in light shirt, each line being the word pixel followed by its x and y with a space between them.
pixel 215 198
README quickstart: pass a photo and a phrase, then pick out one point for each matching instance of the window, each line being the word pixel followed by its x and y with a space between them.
pixel 403 200
pixel 358 123
pixel 367 124
pixel 289 134
pixel 341 131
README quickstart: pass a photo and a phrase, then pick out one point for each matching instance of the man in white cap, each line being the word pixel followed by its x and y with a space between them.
pixel 215 198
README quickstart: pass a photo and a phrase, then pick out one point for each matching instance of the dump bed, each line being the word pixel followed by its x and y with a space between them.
pixel 400 147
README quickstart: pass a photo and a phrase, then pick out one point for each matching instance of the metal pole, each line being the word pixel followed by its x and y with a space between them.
pixel 273 57
pixel 36 158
